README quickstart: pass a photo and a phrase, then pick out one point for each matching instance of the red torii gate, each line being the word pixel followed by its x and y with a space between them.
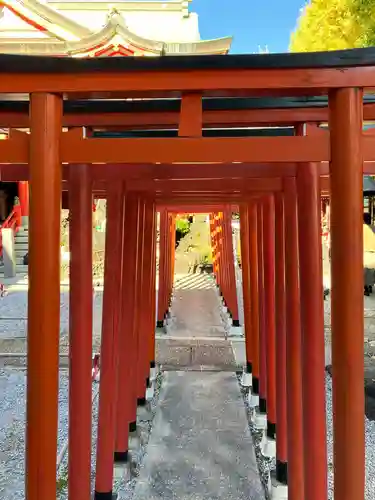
pixel 131 215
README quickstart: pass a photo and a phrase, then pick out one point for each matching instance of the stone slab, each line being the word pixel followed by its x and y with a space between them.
pixel 200 446
pixel 179 356
pixel 239 352
pixel 212 355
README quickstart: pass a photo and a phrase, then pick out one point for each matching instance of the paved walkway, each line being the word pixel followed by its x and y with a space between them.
pixel 196 310
pixel 196 335
pixel 200 446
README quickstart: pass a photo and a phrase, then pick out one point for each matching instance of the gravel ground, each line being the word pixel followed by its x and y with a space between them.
pixel 265 465
pixel 13 323
pixel 125 488
pixel 12 429
pixel 62 474
pixel 370 448
pixel 12 436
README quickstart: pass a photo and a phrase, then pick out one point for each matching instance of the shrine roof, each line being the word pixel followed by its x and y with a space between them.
pixel 10 63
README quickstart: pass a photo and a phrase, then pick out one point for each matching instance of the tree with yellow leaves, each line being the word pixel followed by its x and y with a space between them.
pixel 334 25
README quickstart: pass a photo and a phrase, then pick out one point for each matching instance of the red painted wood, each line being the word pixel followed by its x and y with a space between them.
pixel 293 346
pixel 269 303
pixel 110 339
pixel 280 312
pixel 261 291
pixel 80 333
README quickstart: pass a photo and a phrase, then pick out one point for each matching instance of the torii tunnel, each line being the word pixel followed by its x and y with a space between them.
pixel 206 134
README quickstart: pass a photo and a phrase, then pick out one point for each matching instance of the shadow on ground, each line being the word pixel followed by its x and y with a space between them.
pixel 369 388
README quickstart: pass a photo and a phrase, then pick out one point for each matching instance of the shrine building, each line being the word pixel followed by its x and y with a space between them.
pixel 95 28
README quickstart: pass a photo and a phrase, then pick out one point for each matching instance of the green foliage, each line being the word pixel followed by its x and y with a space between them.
pixel 62 482
pixel 183 226
pixel 334 25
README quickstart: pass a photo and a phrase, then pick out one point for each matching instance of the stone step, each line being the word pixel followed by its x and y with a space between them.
pixel 20 253
pixel 20 269
pixel 21 246
pixel 21 238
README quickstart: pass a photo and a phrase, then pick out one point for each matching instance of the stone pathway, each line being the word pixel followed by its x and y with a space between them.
pixel 196 307
pixel 196 335
pixel 200 446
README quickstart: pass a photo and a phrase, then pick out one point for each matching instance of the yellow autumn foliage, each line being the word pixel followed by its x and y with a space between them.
pixel 334 25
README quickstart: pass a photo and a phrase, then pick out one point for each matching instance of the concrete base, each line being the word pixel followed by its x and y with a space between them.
pixel 160 330
pixel 268 446
pixel 122 471
pixel 144 413
pixel 246 379
pixel 278 491
pixel 259 420
pixel 235 331
pixel 253 400
pixel 150 392
pixel 99 496
pixel 154 373
pixel 134 442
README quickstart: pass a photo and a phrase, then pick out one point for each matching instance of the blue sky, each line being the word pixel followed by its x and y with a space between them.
pixel 252 23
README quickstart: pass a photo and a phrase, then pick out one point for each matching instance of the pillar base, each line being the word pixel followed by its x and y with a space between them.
pixel 141 401
pixel 144 413
pixel 120 457
pixel 121 471
pixel 160 323
pixel 133 427
pixel 236 331
pixel 150 392
pixel 153 371
pixel 246 379
pixel 134 443
pixel 253 400
pixel 268 446
pixel 259 420
pixel 281 472
pixel 278 491
pixel 105 496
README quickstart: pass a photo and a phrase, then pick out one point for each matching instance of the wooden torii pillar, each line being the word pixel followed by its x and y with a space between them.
pixel 229 266
pixel 80 332
pixel 246 292
pixel 127 367
pixel 43 329
pixel 280 324
pixel 162 275
pixel 110 342
pixel 295 468
pixel 345 123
